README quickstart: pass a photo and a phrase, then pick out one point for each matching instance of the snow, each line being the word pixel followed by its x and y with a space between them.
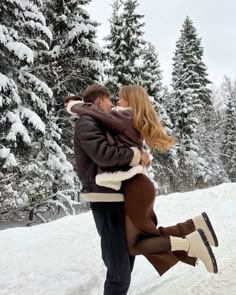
pixel 4 153
pixel 79 29
pixel 11 161
pixel 94 64
pixel 5 83
pixel 63 256
pixel 35 15
pixel 39 85
pixel 10 158
pixel 21 51
pixel 55 52
pixel 40 103
pixel 17 127
pixel 32 118
pixel 38 26
pixel 3 34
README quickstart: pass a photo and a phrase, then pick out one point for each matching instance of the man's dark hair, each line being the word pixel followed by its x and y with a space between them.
pixel 93 91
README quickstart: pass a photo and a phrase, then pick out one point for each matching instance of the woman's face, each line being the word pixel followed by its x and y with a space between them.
pixel 121 102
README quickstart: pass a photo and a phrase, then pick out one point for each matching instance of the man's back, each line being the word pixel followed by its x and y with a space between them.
pixel 91 150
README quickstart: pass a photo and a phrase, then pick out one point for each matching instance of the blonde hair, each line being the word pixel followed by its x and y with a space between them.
pixel 145 118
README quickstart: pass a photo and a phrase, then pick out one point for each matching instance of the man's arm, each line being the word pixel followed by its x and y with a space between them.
pixel 93 140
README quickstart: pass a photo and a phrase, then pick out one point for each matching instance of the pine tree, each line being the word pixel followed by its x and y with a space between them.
pixel 229 129
pixel 74 58
pixel 165 164
pixel 191 98
pixel 113 48
pixel 24 100
pixel 125 44
pixel 151 72
pixel 23 33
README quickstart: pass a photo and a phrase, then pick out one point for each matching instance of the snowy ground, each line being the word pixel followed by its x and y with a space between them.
pixel 63 257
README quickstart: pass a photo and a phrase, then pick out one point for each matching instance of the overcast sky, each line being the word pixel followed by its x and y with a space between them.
pixel 214 20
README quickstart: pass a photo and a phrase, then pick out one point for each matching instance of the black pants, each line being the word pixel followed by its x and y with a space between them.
pixel 109 219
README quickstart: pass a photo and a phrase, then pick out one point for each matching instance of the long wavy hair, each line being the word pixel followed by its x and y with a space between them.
pixel 145 118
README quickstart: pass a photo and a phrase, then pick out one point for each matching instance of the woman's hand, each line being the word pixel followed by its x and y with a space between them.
pixel 67 100
pixel 144 159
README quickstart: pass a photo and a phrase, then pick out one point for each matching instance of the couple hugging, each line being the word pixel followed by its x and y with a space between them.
pixel 110 163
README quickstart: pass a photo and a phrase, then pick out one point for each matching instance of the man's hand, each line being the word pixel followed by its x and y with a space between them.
pixel 144 159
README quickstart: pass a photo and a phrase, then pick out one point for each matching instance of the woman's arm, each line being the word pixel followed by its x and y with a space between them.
pixel 113 120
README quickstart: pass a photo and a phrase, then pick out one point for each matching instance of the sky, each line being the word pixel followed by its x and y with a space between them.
pixel 63 257
pixel 214 20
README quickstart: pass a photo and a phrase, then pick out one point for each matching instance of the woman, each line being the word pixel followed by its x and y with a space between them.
pixel 164 246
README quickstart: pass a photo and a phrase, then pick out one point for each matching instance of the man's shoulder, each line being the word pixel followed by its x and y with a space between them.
pixel 85 124
pixel 84 119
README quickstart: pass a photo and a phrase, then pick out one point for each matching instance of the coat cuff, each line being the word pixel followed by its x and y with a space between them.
pixel 114 179
pixel 71 104
pixel 136 158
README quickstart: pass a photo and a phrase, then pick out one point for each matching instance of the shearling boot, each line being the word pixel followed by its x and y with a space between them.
pixel 200 248
pixel 203 221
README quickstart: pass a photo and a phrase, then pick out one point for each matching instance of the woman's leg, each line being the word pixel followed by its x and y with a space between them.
pixel 195 244
pixel 144 238
pixel 184 228
pixel 137 245
pixel 181 229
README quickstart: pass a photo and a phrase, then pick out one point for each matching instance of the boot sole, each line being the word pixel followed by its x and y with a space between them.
pixel 207 220
pixel 205 241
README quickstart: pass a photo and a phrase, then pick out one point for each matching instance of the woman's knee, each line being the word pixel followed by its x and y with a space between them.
pixel 133 251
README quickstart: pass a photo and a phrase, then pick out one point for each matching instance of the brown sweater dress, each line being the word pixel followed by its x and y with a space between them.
pixel 139 191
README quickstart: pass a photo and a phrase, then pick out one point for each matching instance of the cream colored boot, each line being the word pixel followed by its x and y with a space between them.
pixel 200 248
pixel 203 221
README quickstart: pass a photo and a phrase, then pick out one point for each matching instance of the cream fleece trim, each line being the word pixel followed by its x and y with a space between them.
pixel 136 158
pixel 117 108
pixel 113 179
pixel 102 197
pixel 73 103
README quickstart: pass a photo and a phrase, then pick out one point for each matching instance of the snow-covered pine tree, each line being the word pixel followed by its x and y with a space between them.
pixel 74 58
pixel 229 129
pixel 151 71
pixel 190 98
pixel 209 137
pixel 164 164
pixel 24 99
pixel 23 96
pixel 113 48
pixel 132 42
pixel 125 44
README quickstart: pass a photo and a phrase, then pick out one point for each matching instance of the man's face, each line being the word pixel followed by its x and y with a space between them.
pixel 104 103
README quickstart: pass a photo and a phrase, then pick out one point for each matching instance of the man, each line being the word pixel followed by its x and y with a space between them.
pixel 91 150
